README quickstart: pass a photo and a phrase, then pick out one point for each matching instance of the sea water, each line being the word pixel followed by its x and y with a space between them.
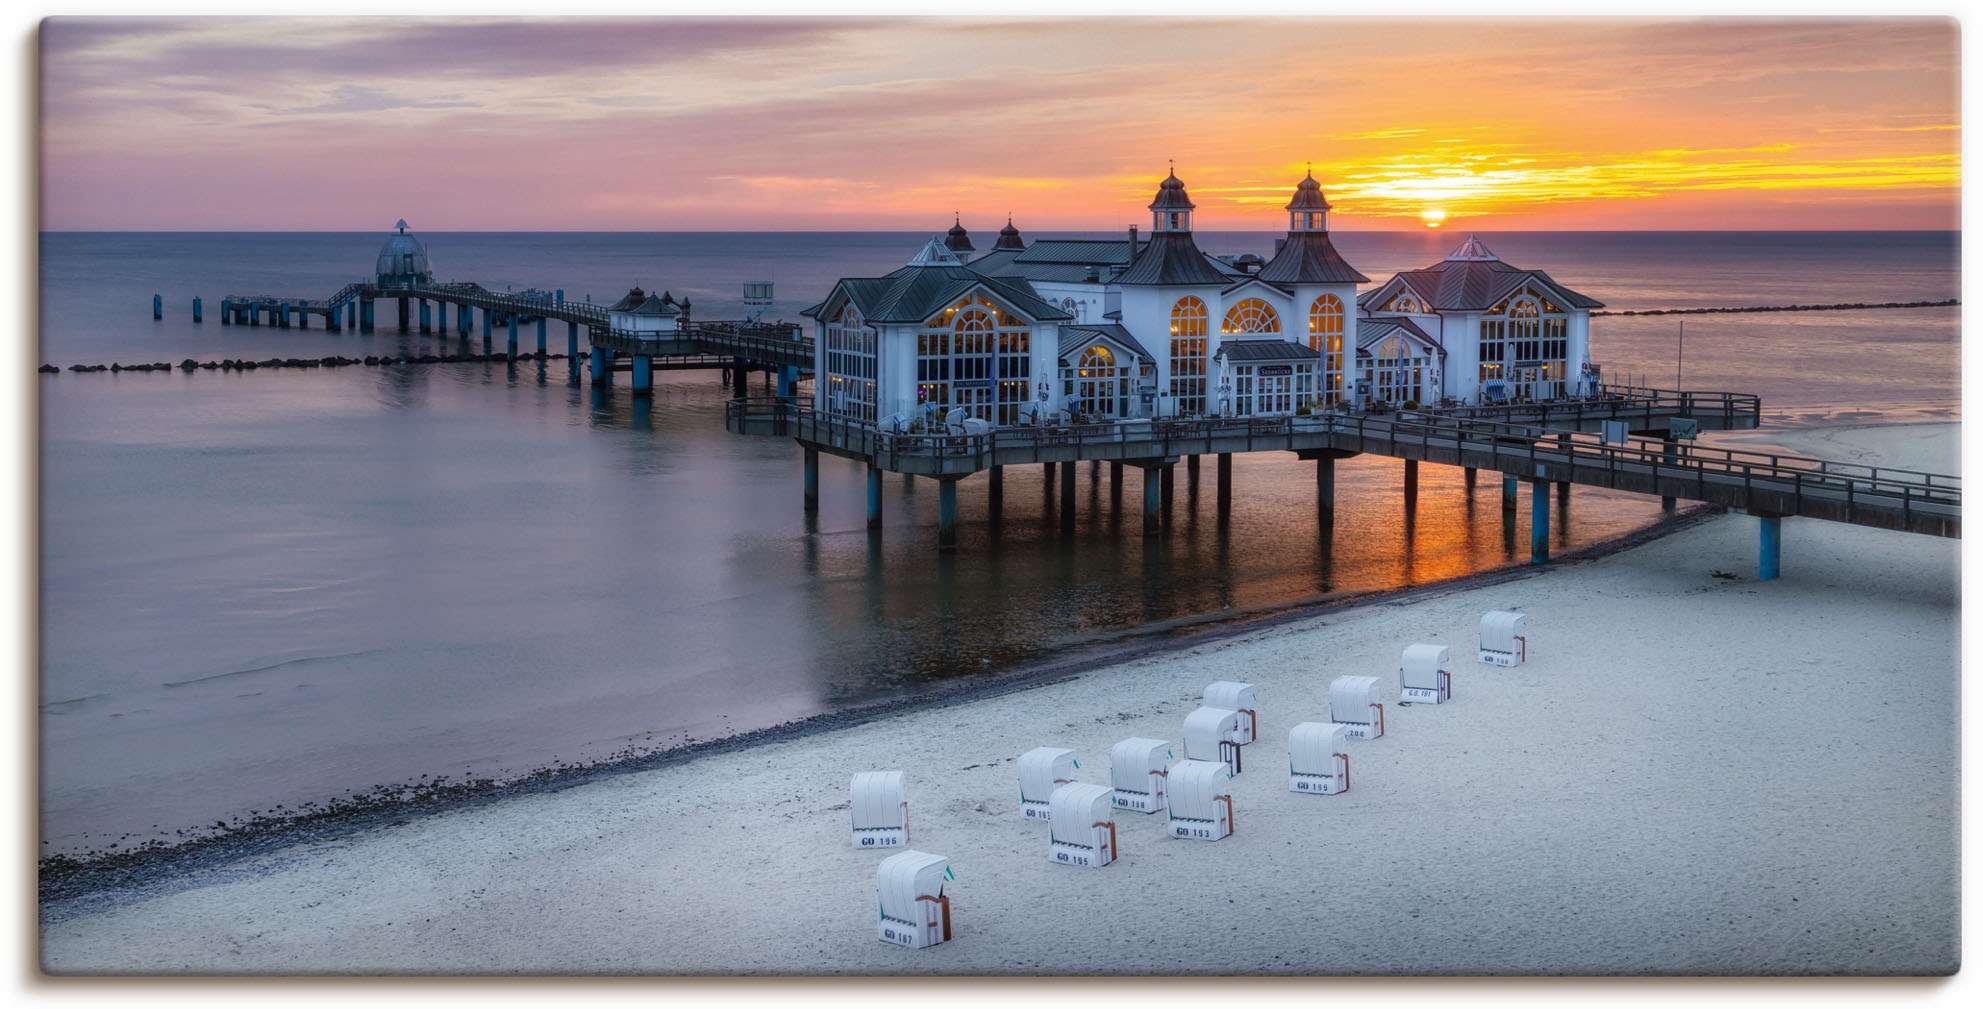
pixel 263 589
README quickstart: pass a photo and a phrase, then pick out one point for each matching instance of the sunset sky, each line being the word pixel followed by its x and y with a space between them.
pixel 788 123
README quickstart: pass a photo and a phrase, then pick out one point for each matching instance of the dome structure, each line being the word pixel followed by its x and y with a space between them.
pixel 403 260
pixel 1008 238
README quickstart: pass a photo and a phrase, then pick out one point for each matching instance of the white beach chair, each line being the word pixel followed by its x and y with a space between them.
pixel 881 814
pixel 1138 768
pixel 1201 800
pixel 1041 770
pixel 1424 677
pixel 1502 641
pixel 1212 734
pixel 1356 703
pixel 1240 697
pixel 1318 761
pixel 909 887
pixel 953 422
pixel 1083 825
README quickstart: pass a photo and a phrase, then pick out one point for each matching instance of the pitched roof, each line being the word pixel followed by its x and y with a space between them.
pixel 1308 195
pixel 1375 329
pixel 1171 195
pixel 1308 257
pixel 1473 279
pixel 918 291
pixel 1073 338
pixel 1171 257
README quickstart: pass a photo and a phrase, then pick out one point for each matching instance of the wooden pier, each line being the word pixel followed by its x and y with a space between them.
pixel 1563 451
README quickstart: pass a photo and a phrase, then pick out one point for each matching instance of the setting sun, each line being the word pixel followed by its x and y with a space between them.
pixel 1433 217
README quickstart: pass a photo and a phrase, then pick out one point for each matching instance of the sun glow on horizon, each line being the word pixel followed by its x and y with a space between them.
pixel 1432 216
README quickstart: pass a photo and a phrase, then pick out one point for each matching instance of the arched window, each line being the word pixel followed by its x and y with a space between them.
pixel 1190 322
pixel 1408 304
pixel 849 389
pixel 974 354
pixel 1325 335
pixel 1251 316
pixel 1525 340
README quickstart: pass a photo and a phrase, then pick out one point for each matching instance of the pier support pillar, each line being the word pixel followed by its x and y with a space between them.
pixel 440 317
pixel 542 326
pixel 1411 485
pixel 335 320
pixel 1115 485
pixel 1325 485
pixel 1191 473
pixel 602 366
pixel 1538 521
pixel 366 311
pixel 284 324
pixel 571 339
pixel 874 496
pixel 1153 515
pixel 1670 451
pixel 157 306
pixel 1225 486
pixel 226 312
pixel 196 310
pixel 487 322
pixel 1473 477
pixel 788 382
pixel 812 481
pixel 1067 498
pixel 643 375
pixel 1167 483
pixel 254 313
pixel 946 513
pixel 740 373
pixel 995 496
pixel 512 336
pixel 403 308
pixel 426 317
pixel 1769 558
pixel 465 320
pixel 1508 484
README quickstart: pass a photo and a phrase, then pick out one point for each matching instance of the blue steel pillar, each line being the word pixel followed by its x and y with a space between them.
pixel 643 375
pixel 403 327
pixel 812 481
pixel 254 313
pixel 196 310
pixel 1153 515
pixel 485 329
pixel 465 320
pixel 336 318
pixel 541 324
pixel 1538 521
pixel 512 334
pixel 571 339
pixel 788 382
pixel 157 306
pixel 365 321
pixel 285 316
pixel 874 496
pixel 946 513
pixel 226 312
pixel 1508 484
pixel 1769 561
pixel 426 317
pixel 602 366
pixel 440 317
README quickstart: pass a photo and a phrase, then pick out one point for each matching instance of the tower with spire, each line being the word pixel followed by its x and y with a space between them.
pixel 1323 285
pixel 958 241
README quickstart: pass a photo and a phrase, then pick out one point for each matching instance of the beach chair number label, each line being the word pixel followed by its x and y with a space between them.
pixel 1420 695
pixel 1183 831
pixel 1070 859
pixel 887 839
pixel 899 937
pixel 1322 786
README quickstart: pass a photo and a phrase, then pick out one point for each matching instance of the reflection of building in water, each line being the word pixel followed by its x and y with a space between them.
pixel 1151 326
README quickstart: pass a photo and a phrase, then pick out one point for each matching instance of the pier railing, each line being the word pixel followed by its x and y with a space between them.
pixel 1775 483
pixel 1716 411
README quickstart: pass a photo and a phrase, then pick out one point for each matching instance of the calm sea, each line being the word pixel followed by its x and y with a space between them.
pixel 270 588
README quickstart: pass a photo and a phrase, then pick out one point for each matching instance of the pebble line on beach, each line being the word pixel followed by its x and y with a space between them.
pixel 238 364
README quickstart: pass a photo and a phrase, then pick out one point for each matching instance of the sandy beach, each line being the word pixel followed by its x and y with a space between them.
pixel 1694 773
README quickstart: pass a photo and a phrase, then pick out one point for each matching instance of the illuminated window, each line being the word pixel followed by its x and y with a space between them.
pixel 1325 335
pixel 977 356
pixel 1251 316
pixel 1407 304
pixel 1525 340
pixel 1190 322
pixel 1102 385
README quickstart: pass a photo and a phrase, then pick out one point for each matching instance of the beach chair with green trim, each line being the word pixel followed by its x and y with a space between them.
pixel 1041 770
pixel 909 887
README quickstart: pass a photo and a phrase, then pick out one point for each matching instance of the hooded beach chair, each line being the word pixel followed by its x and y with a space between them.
pixel 1082 826
pixel 1502 640
pixel 1138 768
pixel 1356 703
pixel 909 887
pixel 1201 800
pixel 1041 770
pixel 1212 734
pixel 1425 676
pixel 1318 758
pixel 1240 697
pixel 880 813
